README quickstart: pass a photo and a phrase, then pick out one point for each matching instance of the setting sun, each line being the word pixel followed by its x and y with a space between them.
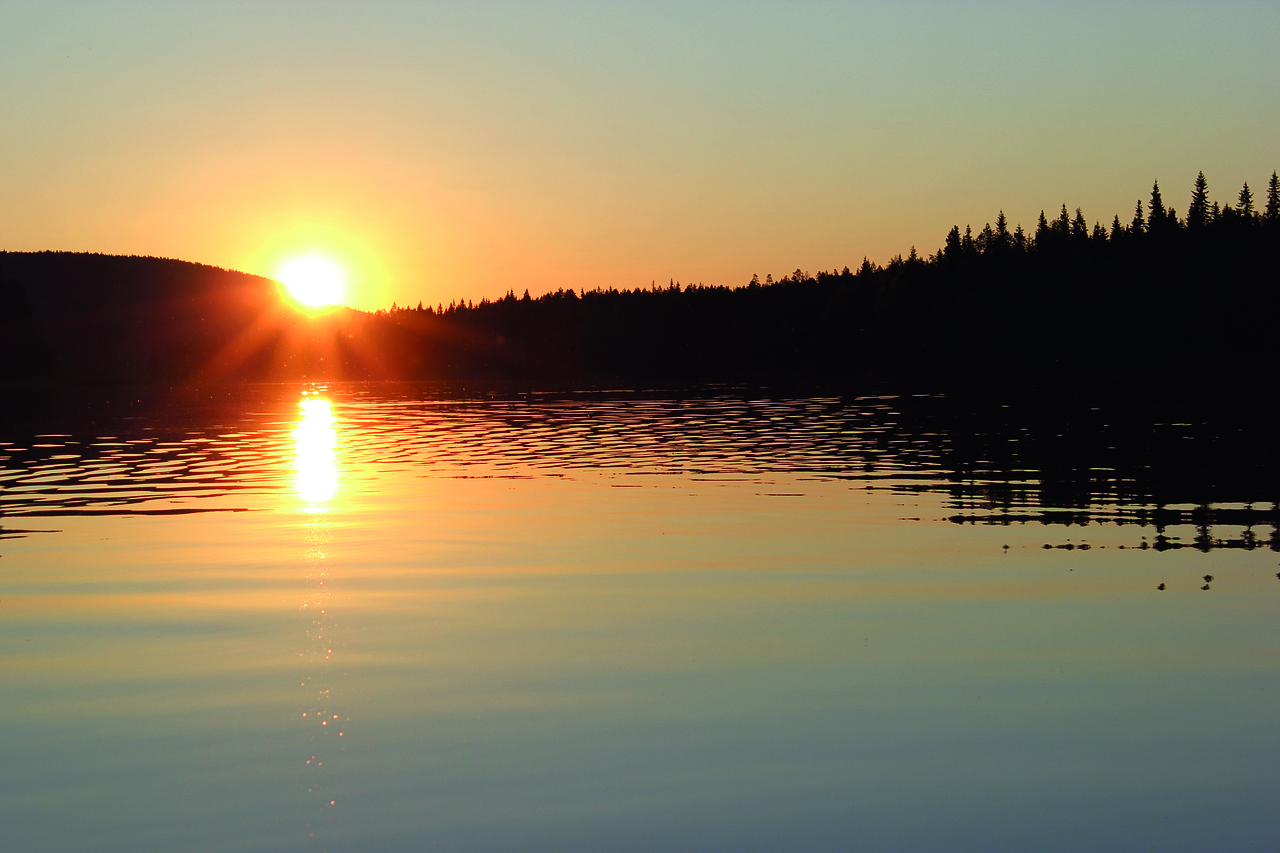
pixel 313 280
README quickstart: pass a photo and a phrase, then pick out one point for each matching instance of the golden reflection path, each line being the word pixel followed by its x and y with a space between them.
pixel 315 441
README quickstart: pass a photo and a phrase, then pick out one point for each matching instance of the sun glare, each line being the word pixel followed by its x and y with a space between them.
pixel 315 436
pixel 313 281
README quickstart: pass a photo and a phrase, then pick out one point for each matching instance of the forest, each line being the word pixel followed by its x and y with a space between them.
pixel 1154 298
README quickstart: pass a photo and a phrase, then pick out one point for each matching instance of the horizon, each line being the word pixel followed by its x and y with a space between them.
pixel 437 153
pixel 334 289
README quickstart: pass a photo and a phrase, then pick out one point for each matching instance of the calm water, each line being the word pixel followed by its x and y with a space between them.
pixel 387 618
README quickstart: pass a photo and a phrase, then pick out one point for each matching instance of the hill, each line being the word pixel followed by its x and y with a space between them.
pixel 89 318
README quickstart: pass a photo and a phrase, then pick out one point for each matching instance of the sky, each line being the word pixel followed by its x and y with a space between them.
pixel 442 151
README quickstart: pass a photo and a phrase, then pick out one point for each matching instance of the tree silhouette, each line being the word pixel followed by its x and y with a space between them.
pixel 1245 201
pixel 1198 212
pixel 1158 220
pixel 1079 228
pixel 951 249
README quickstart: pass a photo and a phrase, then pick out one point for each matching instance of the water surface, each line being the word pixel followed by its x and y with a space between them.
pixel 384 617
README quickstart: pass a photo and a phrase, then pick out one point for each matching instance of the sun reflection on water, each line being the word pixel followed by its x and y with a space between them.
pixel 317 482
pixel 316 435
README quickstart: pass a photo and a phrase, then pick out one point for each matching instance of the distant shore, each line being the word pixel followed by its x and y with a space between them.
pixel 1158 302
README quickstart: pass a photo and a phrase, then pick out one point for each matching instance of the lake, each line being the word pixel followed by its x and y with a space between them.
pixel 403 617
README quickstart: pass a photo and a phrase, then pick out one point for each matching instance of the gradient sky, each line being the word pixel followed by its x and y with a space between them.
pixel 442 151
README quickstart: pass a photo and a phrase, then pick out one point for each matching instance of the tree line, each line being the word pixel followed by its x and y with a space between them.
pixel 1156 294
pixel 1153 299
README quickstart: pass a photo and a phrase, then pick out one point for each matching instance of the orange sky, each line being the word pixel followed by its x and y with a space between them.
pixel 445 151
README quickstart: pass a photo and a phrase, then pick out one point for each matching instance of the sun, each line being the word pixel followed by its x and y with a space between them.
pixel 313 280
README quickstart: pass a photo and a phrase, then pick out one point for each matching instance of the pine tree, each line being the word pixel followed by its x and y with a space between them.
pixel 951 248
pixel 1079 228
pixel 1138 225
pixel 1272 213
pixel 1245 201
pixel 1158 218
pixel 1198 212
pixel 1002 228
pixel 986 239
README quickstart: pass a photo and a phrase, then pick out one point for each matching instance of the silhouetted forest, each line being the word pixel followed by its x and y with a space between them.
pixel 1150 297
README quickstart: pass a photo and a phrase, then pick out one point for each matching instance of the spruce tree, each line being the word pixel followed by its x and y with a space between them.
pixel 1158 218
pixel 1198 212
pixel 1245 201
pixel 1117 230
pixel 1042 228
pixel 1272 212
pixel 1138 225
pixel 1079 228
pixel 951 248
pixel 1002 230
pixel 986 239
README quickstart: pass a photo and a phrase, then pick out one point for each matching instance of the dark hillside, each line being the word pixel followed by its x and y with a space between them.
pixel 78 317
